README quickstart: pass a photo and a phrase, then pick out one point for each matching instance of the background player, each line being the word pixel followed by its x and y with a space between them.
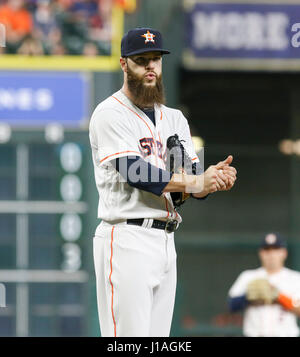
pixel 134 251
pixel 269 295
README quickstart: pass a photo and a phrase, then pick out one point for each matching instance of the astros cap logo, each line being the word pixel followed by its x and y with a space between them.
pixel 271 238
pixel 148 36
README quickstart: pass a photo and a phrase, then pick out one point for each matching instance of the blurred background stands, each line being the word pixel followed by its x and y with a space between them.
pixel 58 27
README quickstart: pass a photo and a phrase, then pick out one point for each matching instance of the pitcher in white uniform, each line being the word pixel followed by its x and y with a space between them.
pixel 277 315
pixel 134 250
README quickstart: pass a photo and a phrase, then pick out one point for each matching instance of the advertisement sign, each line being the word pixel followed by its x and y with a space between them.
pixel 239 30
pixel 37 98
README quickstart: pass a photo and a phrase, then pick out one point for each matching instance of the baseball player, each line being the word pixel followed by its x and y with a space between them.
pixel 134 251
pixel 269 295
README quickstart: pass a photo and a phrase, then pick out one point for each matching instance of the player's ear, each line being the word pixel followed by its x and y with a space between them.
pixel 123 63
pixel 285 253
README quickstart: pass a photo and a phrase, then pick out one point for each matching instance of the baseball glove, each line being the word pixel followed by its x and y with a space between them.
pixel 179 161
pixel 261 291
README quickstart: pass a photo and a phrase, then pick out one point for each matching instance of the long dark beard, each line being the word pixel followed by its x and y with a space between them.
pixel 145 96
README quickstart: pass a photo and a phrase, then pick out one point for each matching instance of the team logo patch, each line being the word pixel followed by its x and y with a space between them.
pixel 148 36
pixel 149 147
pixel 271 238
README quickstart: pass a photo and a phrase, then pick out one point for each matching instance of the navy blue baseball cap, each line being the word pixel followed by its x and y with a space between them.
pixel 273 240
pixel 141 40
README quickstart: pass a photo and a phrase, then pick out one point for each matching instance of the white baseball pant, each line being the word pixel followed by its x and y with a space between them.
pixel 135 271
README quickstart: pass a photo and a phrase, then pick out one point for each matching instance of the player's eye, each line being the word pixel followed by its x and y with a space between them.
pixel 144 61
pixel 141 61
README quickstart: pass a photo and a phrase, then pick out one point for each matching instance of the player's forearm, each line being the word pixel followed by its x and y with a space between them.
pixel 178 183
pixel 150 179
pixel 186 183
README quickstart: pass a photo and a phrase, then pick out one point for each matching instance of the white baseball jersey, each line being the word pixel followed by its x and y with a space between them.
pixel 269 320
pixel 118 128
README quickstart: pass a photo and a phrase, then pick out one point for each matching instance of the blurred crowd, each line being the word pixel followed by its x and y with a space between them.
pixel 57 27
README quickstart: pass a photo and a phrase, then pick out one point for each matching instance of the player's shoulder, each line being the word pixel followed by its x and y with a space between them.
pixel 170 110
pixel 291 273
pixel 174 114
pixel 106 111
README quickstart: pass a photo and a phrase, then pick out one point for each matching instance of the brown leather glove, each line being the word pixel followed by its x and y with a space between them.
pixel 178 161
pixel 261 291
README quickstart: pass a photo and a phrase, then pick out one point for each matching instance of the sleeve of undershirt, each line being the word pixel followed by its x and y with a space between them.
pixel 141 174
pixel 237 303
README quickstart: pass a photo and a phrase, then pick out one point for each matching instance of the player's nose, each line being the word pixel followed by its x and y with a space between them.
pixel 150 64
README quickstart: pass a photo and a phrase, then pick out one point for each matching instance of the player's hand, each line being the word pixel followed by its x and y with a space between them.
pixel 219 177
pixel 226 175
pixel 205 183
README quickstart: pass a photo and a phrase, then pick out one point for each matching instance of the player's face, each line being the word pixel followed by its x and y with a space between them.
pixel 143 78
pixel 273 258
pixel 146 66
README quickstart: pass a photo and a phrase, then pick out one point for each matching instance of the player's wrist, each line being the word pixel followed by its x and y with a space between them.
pixel 181 183
pixel 195 185
pixel 285 301
pixel 200 194
pixel 176 184
pixel 200 188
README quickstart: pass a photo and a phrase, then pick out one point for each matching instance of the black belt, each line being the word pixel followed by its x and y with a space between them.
pixel 168 226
